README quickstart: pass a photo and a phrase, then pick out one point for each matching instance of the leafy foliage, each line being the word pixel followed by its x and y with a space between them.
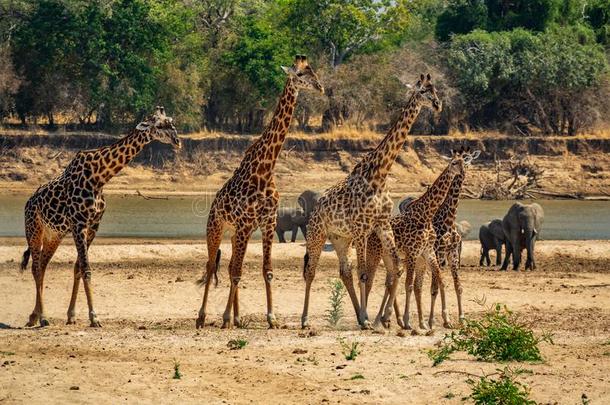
pixel 337 295
pixel 350 350
pixel 504 390
pixel 237 344
pixel 500 335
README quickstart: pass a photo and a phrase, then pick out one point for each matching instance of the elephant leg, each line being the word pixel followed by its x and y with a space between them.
pixel 280 236
pixel 304 230
pixel 498 253
pixel 481 260
pixel 509 252
pixel 517 253
pixel 295 229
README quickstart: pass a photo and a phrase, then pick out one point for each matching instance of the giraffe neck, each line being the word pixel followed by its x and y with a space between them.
pixel 377 164
pixel 265 151
pixel 448 210
pixel 432 199
pixel 112 159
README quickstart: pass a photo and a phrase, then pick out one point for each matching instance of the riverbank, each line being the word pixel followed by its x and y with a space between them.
pixel 147 302
pixel 575 165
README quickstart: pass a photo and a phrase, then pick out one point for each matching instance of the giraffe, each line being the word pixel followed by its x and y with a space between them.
pixel 74 202
pixel 448 244
pixel 360 204
pixel 415 237
pixel 249 199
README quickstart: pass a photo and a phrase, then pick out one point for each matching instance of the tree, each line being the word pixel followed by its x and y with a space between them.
pixel 551 81
pixel 342 28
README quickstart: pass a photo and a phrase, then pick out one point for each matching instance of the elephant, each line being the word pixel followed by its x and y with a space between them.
pixel 402 206
pixel 463 228
pixel 522 225
pixel 491 236
pixel 290 219
pixel 307 200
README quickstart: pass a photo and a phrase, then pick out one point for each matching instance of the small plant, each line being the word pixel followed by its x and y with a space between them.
pixel 237 344
pixel 177 374
pixel 349 349
pixel 357 377
pixel 504 390
pixel 337 294
pixel 449 395
pixel 500 335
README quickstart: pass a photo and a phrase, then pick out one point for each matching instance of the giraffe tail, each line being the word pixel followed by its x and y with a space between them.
pixel 204 279
pixel 305 262
pixel 218 253
pixel 25 259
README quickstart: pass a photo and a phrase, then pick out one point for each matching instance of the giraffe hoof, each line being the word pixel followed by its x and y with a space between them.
pixel 366 325
pixel 226 324
pixel 447 325
pixel 237 323
pixel 29 324
pixel 71 321
pixel 200 322
pixel 44 323
pixel 95 324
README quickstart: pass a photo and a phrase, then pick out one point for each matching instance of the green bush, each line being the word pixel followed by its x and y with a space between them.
pixel 337 294
pixel 504 390
pixel 500 335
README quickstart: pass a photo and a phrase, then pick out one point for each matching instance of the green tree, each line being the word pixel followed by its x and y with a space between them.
pixel 342 28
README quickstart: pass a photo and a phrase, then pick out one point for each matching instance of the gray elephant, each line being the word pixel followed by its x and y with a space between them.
pixel 290 219
pixel 491 236
pixel 402 206
pixel 522 225
pixel 463 228
pixel 307 200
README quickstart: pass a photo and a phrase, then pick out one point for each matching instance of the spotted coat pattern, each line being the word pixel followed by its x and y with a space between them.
pixel 74 202
pixel 249 199
pixel 351 210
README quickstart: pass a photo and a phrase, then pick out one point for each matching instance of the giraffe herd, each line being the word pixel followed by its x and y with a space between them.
pixel 354 212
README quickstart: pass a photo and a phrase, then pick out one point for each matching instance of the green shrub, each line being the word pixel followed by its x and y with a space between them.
pixel 237 344
pixel 349 349
pixel 177 373
pixel 337 294
pixel 504 390
pixel 500 335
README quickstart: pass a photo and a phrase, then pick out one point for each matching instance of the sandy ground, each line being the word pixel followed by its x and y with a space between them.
pixel 147 302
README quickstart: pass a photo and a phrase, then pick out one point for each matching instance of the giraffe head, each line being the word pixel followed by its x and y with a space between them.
pixel 460 159
pixel 160 127
pixel 428 94
pixel 302 75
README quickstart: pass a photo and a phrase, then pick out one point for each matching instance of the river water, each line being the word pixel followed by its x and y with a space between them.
pixel 185 217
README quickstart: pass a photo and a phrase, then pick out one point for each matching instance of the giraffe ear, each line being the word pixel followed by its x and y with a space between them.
pixel 447 158
pixel 421 78
pixel 288 70
pixel 428 77
pixel 475 154
pixel 142 126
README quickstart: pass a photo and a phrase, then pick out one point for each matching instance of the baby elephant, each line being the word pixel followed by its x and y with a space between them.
pixel 290 219
pixel 491 236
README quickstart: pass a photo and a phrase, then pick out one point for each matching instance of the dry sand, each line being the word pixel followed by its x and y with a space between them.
pixel 147 302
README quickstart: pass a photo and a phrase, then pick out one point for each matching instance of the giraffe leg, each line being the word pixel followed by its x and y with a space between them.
pixel 241 237
pixel 34 237
pixel 363 316
pixel 417 288
pixel 315 242
pixel 410 269
pixel 77 276
pixel 392 262
pixel 437 284
pixel 80 240
pixel 214 237
pixel 455 268
pixel 268 270
pixel 342 246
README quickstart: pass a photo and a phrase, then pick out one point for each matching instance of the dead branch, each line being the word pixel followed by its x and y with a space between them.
pixel 146 197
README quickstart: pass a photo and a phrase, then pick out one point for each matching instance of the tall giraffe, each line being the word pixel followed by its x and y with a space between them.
pixel 415 237
pixel 448 244
pixel 353 208
pixel 74 202
pixel 249 199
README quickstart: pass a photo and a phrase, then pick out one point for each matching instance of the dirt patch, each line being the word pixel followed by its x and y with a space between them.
pixel 147 302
